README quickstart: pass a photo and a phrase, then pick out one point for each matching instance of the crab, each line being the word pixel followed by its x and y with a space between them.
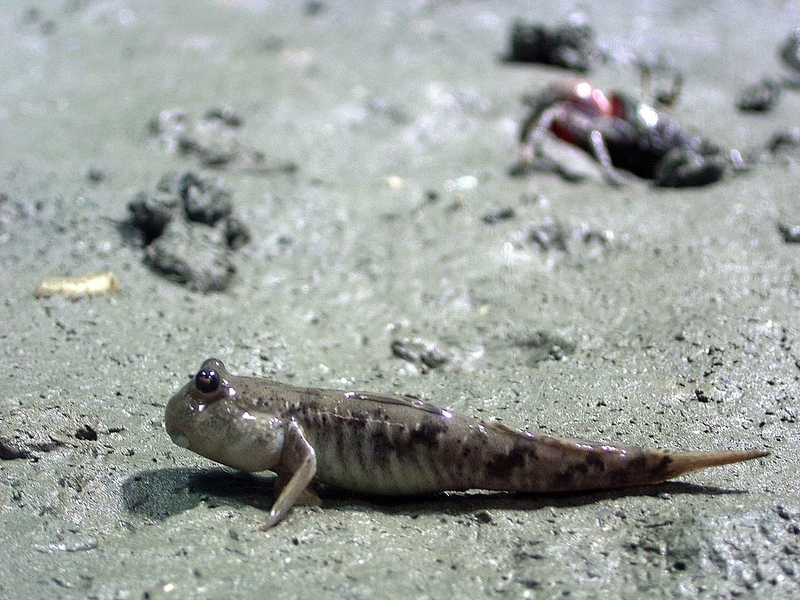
pixel 621 133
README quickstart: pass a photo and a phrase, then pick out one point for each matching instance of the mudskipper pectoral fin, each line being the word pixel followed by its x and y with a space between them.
pixel 299 462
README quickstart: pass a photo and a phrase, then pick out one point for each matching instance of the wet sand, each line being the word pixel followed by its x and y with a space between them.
pixel 678 329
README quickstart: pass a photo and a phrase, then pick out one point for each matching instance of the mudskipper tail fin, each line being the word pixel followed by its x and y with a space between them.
pixel 681 463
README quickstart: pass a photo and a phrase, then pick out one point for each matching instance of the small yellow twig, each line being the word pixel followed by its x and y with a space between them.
pixel 74 287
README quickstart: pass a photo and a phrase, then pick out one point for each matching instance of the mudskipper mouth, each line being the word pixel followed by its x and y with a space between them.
pixel 181 440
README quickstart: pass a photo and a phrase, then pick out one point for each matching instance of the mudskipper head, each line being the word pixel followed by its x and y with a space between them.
pixel 206 417
pixel 185 408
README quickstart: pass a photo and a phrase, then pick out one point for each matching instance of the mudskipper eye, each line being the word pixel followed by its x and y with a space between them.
pixel 206 380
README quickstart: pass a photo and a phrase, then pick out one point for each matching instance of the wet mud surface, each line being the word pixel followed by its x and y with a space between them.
pixel 372 238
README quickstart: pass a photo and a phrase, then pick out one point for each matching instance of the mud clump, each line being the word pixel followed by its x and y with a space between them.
pixel 188 230
pixel 213 140
pixel 570 45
